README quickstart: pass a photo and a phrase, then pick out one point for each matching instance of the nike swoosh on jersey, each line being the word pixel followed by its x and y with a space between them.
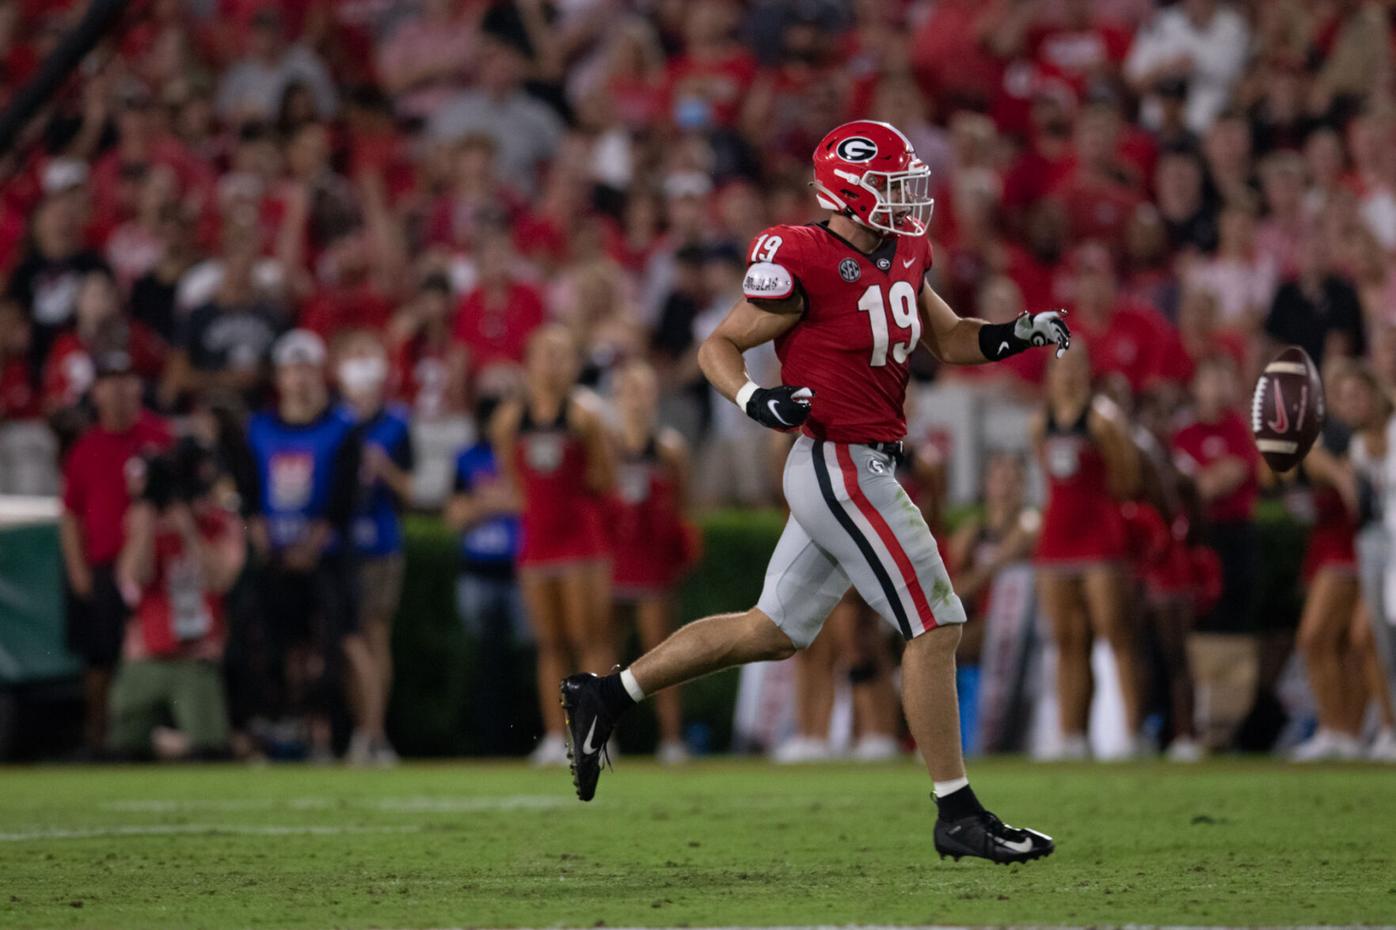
pixel 908 262
pixel 586 743
pixel 776 413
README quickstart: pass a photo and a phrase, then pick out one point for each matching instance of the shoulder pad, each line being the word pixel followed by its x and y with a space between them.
pixel 767 281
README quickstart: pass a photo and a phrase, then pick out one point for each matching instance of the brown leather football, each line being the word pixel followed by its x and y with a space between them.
pixel 1287 409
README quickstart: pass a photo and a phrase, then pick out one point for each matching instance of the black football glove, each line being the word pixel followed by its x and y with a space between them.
pixel 999 340
pixel 782 408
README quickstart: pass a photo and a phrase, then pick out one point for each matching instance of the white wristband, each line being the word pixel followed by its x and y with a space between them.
pixel 744 394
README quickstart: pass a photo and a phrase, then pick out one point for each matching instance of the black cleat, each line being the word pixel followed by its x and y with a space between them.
pixel 589 726
pixel 985 836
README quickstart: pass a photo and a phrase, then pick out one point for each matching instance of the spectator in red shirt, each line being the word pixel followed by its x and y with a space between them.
pixel 708 82
pixel 142 144
pixel 95 499
pixel 1078 45
pixel 473 194
pixel 1216 451
pixel 1147 273
pixel 634 75
pixel 426 374
pixel 1125 340
pixel 951 51
pixel 183 551
pixel 68 372
pixel 494 320
pixel 1100 190
pixel 352 295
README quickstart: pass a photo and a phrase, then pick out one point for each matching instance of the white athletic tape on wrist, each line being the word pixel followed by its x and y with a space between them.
pixel 744 395
pixel 632 687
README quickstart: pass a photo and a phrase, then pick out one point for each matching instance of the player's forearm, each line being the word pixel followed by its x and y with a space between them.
pixel 960 344
pixel 722 364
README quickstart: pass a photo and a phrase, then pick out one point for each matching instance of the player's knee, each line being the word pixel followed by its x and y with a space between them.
pixel 766 641
pixel 938 643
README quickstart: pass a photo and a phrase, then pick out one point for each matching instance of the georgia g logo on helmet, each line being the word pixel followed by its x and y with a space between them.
pixel 868 171
pixel 857 148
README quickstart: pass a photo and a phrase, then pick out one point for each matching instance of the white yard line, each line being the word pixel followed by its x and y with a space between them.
pixel 209 829
pixel 420 804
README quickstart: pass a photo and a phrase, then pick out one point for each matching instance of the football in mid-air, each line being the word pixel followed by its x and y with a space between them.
pixel 1287 409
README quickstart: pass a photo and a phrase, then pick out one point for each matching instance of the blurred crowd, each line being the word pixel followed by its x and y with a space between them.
pixel 248 221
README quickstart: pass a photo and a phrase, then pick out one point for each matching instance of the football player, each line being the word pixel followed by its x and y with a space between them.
pixel 846 304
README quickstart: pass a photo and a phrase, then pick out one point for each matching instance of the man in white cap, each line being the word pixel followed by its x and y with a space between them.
pixel 307 459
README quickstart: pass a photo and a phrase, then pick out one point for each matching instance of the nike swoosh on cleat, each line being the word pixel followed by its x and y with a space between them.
pixel 586 743
pixel 1003 346
pixel 776 413
pixel 1017 846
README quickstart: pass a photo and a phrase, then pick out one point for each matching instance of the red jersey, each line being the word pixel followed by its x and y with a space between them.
pixel 496 330
pixel 1200 444
pixel 95 482
pixel 860 326
pixel 1132 343
pixel 563 519
pixel 176 617
pixel 649 541
pixel 1078 496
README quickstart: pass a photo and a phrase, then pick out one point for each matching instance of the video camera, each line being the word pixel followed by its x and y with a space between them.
pixel 183 473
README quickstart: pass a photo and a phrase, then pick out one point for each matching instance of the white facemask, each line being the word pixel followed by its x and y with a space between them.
pixel 359 376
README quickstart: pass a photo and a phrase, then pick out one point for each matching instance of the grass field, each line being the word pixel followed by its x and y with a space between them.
pixel 718 844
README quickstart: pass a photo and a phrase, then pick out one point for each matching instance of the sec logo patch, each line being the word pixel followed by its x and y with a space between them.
pixel 849 270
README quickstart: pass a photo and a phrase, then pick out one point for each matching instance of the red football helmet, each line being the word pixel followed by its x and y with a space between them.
pixel 868 171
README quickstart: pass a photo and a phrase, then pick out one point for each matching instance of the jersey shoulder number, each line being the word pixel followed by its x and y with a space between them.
pixel 776 261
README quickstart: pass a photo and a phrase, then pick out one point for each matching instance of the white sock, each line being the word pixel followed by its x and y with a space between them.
pixel 943 788
pixel 632 687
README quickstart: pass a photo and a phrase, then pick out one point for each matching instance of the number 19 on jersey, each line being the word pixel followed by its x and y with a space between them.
pixel 902 297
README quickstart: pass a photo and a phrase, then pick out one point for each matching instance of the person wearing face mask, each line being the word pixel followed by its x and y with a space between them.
pixel 362 374
pixel 306 489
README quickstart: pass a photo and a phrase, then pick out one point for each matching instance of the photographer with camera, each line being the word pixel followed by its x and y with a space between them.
pixel 183 551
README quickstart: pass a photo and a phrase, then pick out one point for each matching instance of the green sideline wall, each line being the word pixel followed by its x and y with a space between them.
pixel 433 706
